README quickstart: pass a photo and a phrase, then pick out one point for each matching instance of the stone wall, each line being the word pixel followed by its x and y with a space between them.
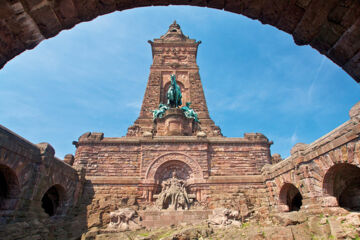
pixel 29 176
pixel 330 26
pixel 126 172
pixel 325 172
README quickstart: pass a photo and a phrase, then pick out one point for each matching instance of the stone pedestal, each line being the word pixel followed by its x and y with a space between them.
pixel 155 219
pixel 174 123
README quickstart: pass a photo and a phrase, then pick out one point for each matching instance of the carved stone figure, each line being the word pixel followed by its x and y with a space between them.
pixel 159 113
pixel 173 194
pixel 189 112
pixel 124 219
pixel 174 93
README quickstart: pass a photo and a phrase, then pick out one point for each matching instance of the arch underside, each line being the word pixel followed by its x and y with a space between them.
pixel 9 188
pixel 290 196
pixel 53 199
pixel 330 26
pixel 343 182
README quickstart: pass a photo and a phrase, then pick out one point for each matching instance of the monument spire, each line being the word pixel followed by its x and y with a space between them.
pixel 173 54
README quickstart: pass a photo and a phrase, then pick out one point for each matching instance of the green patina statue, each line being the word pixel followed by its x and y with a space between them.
pixel 189 112
pixel 174 93
pixel 159 113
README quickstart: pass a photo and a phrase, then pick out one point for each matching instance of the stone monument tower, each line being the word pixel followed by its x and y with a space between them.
pixel 174 53
pixel 174 157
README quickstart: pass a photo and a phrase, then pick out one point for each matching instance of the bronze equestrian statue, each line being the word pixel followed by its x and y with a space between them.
pixel 174 93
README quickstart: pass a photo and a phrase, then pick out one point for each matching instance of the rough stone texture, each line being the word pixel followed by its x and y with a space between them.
pixel 139 164
pixel 327 25
pixel 174 53
pixel 325 172
pixel 43 197
pixel 156 219
pixel 29 171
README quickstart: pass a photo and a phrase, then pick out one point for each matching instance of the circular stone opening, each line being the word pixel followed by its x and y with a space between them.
pixel 9 188
pixel 343 182
pixel 52 200
pixel 291 196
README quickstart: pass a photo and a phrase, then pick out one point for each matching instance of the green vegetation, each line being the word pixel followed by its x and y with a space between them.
pixel 245 225
pixel 356 237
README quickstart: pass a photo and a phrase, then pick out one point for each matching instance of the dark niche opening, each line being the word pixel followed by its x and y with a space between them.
pixel 343 182
pixel 291 196
pixel 9 188
pixel 52 200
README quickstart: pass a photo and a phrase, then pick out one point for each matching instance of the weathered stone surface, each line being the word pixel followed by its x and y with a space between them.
pixel 222 217
pixel 275 158
pixel 326 19
pixel 298 148
pixel 48 199
pixel 314 17
pixel 36 170
pixel 69 159
pixel 347 46
pixel 174 53
pixel 290 218
pixel 353 66
pixel 354 112
pixel 124 219
pixel 290 16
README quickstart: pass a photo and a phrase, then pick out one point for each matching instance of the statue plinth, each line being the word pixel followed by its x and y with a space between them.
pixel 174 123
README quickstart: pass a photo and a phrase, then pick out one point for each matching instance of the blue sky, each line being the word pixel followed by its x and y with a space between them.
pixel 93 78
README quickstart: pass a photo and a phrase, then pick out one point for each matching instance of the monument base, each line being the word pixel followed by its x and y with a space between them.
pixel 162 218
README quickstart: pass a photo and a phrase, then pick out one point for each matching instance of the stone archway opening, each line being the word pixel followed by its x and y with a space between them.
pixel 342 181
pixel 53 200
pixel 9 188
pixel 291 197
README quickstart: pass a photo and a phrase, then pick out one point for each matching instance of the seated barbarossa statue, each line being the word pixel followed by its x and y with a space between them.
pixel 174 93
pixel 173 194
pixel 189 112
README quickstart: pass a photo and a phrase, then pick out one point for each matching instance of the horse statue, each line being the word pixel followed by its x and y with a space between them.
pixel 174 93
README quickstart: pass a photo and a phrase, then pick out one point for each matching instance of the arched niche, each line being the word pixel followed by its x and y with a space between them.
pixel 9 188
pixel 53 200
pixel 184 92
pixel 291 197
pixel 182 170
pixel 342 181
pixel 155 167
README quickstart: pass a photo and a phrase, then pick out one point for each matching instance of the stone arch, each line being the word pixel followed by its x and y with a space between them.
pixel 291 197
pixel 53 200
pixel 176 158
pixel 9 188
pixel 183 171
pixel 342 181
pixel 36 21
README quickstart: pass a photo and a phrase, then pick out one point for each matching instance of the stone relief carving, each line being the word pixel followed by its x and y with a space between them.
pixel 124 219
pixel 173 194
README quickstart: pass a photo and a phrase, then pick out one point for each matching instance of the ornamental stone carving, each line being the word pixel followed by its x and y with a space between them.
pixel 173 195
